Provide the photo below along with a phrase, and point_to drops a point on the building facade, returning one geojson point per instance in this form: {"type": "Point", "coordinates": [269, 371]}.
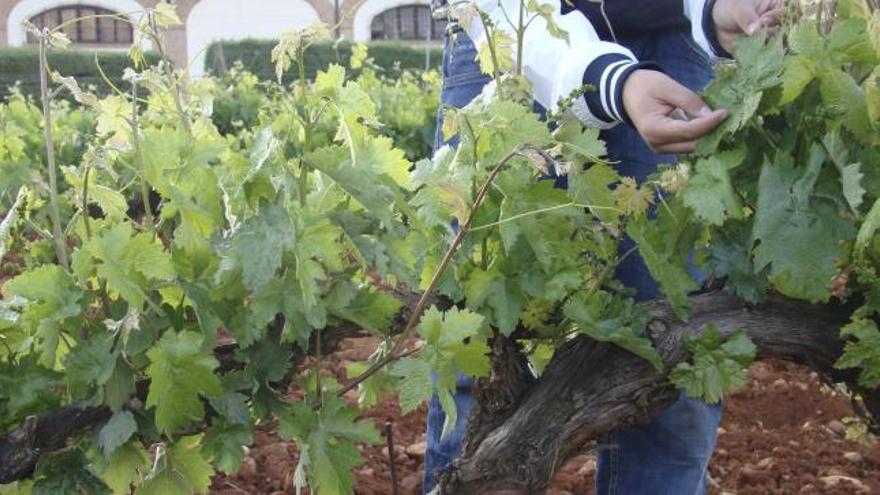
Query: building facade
{"type": "Point", "coordinates": [206, 21]}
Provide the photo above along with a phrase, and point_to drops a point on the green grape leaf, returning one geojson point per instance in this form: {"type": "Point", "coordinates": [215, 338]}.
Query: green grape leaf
{"type": "Point", "coordinates": [116, 431]}
{"type": "Point", "coordinates": [797, 237]}
{"type": "Point", "coordinates": [454, 341]}
{"type": "Point", "coordinates": [710, 193]}
{"type": "Point", "coordinates": [226, 444]}
{"type": "Point", "coordinates": [27, 388]}
{"type": "Point", "coordinates": [180, 470]}
{"type": "Point", "coordinates": [546, 11]}
{"type": "Point", "coordinates": [729, 256]}
{"type": "Point", "coordinates": [501, 58]}
{"type": "Point", "coordinates": [360, 178]}
{"type": "Point", "coordinates": [125, 466]}
{"type": "Point", "coordinates": [112, 202]}
{"type": "Point", "coordinates": [607, 318]}
{"type": "Point", "coordinates": [258, 244]}
{"type": "Point", "coordinates": [181, 371]}
{"type": "Point", "coordinates": [717, 366]}
{"type": "Point", "coordinates": [872, 89]}
{"type": "Point", "coordinates": [92, 362]}
{"type": "Point", "coordinates": [862, 350]}
{"type": "Point", "coordinates": [578, 144]}
{"type": "Point", "coordinates": [841, 95]}
{"type": "Point", "coordinates": [130, 263]}
{"type": "Point", "coordinates": [591, 186]}
{"type": "Point", "coordinates": [52, 298]}
{"type": "Point", "coordinates": [444, 191]}
{"type": "Point", "coordinates": [233, 407]}
{"type": "Point", "coordinates": [869, 227]}
{"type": "Point", "coordinates": [740, 88]}
{"type": "Point", "coordinates": [371, 310]}
{"type": "Point", "coordinates": [327, 435]}
{"type": "Point", "coordinates": [416, 385]}
{"type": "Point", "coordinates": [119, 386]}
{"type": "Point", "coordinates": [66, 471]}
{"type": "Point", "coordinates": [664, 243]}
{"type": "Point", "coordinates": [851, 177]}
{"type": "Point", "coordinates": [372, 390]}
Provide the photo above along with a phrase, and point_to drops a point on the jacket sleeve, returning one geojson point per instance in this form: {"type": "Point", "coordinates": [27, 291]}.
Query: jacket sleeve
{"type": "Point", "coordinates": [556, 68]}
{"type": "Point", "coordinates": [703, 28]}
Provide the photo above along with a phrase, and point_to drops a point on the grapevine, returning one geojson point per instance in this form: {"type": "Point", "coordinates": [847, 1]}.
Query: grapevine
{"type": "Point", "coordinates": [211, 240]}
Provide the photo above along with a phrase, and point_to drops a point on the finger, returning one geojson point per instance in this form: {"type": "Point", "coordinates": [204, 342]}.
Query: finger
{"type": "Point", "coordinates": [679, 96]}
{"type": "Point", "coordinates": [667, 130]}
{"type": "Point", "coordinates": [749, 20]}
{"type": "Point", "coordinates": [768, 5]}
{"type": "Point", "coordinates": [677, 148]}
{"type": "Point", "coordinates": [772, 18]}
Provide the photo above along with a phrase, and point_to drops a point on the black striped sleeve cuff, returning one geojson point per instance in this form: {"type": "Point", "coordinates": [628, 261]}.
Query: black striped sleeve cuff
{"type": "Point", "coordinates": [711, 33]}
{"type": "Point", "coordinates": [608, 74]}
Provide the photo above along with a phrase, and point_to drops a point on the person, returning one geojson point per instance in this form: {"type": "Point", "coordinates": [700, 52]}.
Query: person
{"type": "Point", "coordinates": [647, 60]}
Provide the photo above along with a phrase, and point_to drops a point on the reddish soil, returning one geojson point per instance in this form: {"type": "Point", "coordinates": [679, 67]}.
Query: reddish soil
{"type": "Point", "coordinates": [781, 434]}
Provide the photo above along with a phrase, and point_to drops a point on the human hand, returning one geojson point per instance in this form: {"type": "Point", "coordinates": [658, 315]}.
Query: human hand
{"type": "Point", "coordinates": [733, 18]}
{"type": "Point", "coordinates": [654, 103]}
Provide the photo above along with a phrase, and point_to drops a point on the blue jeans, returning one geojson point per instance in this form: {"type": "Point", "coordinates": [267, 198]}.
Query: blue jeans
{"type": "Point", "coordinates": [670, 454]}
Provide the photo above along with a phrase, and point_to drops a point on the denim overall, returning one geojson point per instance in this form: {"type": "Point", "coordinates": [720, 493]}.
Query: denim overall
{"type": "Point", "coordinates": [670, 454]}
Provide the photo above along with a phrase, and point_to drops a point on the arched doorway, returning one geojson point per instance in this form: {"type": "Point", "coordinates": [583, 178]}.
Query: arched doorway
{"type": "Point", "coordinates": [214, 20]}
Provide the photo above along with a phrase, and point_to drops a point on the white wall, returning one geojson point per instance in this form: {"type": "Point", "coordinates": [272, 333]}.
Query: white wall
{"type": "Point", "coordinates": [370, 9]}
{"type": "Point", "coordinates": [214, 20]}
{"type": "Point", "coordinates": [26, 9]}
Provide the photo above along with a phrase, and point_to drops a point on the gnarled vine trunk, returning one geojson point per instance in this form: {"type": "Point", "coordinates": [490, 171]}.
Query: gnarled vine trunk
{"type": "Point", "coordinates": [591, 388]}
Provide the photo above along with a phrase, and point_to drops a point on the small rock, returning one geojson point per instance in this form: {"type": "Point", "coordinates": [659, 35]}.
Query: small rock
{"type": "Point", "coordinates": [837, 427]}
{"type": "Point", "coordinates": [853, 456]}
{"type": "Point", "coordinates": [368, 472]}
{"type": "Point", "coordinates": [588, 468]}
{"type": "Point", "coordinates": [416, 450]}
{"type": "Point", "coordinates": [780, 383]}
{"type": "Point", "coordinates": [808, 488]}
{"type": "Point", "coordinates": [351, 396]}
{"type": "Point", "coordinates": [248, 469]}
{"type": "Point", "coordinates": [760, 372]}
{"type": "Point", "coordinates": [721, 430]}
{"type": "Point", "coordinates": [794, 443]}
{"type": "Point", "coordinates": [411, 483]}
{"type": "Point", "coordinates": [750, 473]}
{"type": "Point", "coordinates": [844, 482]}
{"type": "Point", "coordinates": [835, 471]}
{"type": "Point", "coordinates": [765, 463]}
{"type": "Point", "coordinates": [398, 451]}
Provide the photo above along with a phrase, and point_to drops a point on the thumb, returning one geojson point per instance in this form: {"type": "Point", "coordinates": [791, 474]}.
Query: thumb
{"type": "Point", "coordinates": [750, 21]}
{"type": "Point", "coordinates": [681, 97]}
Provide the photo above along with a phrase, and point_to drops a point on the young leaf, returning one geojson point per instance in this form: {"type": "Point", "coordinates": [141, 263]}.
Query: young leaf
{"type": "Point", "coordinates": [709, 191]}
{"type": "Point", "coordinates": [226, 444]}
{"type": "Point", "coordinates": [716, 368]}
{"type": "Point", "coordinates": [181, 371]}
{"type": "Point", "coordinates": [125, 466]}
{"type": "Point", "coordinates": [328, 434]}
{"type": "Point", "coordinates": [116, 431]}
{"type": "Point", "coordinates": [66, 471]}
{"type": "Point", "coordinates": [181, 470]}
{"type": "Point", "coordinates": [862, 350]}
